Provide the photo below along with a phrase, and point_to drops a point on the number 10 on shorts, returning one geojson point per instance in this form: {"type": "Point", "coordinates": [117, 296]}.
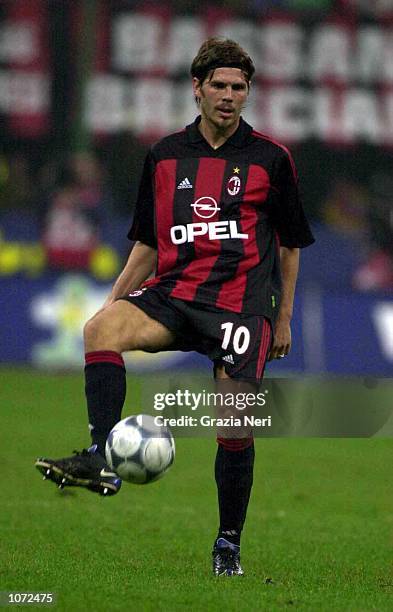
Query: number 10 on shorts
{"type": "Point", "coordinates": [240, 338]}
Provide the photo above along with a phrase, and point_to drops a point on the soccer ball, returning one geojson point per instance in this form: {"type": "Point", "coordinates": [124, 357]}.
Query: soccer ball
{"type": "Point", "coordinates": [139, 450]}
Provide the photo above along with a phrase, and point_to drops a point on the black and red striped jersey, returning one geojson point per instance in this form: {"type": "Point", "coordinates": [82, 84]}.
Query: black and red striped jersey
{"type": "Point", "coordinates": [218, 216]}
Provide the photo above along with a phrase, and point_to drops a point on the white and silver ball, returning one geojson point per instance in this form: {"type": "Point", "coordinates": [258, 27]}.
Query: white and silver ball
{"type": "Point", "coordinates": [138, 450]}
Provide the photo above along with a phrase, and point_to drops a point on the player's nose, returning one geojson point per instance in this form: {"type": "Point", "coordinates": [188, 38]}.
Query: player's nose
{"type": "Point", "coordinates": [228, 93]}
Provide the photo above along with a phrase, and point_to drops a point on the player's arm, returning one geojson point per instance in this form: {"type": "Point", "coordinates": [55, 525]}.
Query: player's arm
{"type": "Point", "coordinates": [143, 256]}
{"type": "Point", "coordinates": [294, 233]}
{"type": "Point", "coordinates": [289, 261]}
{"type": "Point", "coordinates": [140, 264]}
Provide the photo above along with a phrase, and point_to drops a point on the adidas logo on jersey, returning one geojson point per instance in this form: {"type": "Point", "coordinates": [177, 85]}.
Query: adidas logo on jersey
{"type": "Point", "coordinates": [229, 359]}
{"type": "Point", "coordinates": [185, 184]}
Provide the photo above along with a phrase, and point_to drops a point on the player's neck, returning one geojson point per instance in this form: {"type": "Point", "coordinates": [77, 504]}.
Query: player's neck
{"type": "Point", "coordinates": [215, 135]}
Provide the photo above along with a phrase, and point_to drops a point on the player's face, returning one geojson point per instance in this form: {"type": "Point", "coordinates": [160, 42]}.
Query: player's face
{"type": "Point", "coordinates": [222, 95]}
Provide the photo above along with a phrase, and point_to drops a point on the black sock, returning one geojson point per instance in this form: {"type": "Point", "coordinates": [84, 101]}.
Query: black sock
{"type": "Point", "coordinates": [234, 476]}
{"type": "Point", "coordinates": [105, 378]}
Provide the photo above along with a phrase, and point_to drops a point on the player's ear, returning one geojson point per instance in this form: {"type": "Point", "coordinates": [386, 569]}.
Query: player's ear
{"type": "Point", "coordinates": [196, 88]}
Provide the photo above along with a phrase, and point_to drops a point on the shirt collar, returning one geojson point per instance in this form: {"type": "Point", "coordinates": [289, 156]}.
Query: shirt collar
{"type": "Point", "coordinates": [238, 138]}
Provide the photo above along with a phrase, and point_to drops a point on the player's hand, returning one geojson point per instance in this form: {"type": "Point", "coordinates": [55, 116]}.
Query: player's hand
{"type": "Point", "coordinates": [282, 339]}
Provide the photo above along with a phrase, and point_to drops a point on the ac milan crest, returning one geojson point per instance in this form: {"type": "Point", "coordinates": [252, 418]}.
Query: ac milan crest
{"type": "Point", "coordinates": [234, 185]}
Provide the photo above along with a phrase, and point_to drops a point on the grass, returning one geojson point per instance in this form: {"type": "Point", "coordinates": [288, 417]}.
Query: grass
{"type": "Point", "coordinates": [318, 534]}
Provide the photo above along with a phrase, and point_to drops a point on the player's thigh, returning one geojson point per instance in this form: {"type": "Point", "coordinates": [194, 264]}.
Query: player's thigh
{"type": "Point", "coordinates": [237, 344]}
{"type": "Point", "coordinates": [220, 372]}
{"type": "Point", "coordinates": [123, 326]}
{"type": "Point", "coordinates": [244, 344]}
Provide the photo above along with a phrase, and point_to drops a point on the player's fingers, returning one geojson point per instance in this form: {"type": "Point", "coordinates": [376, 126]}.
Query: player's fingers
{"type": "Point", "coordinates": [279, 351]}
{"type": "Point", "coordinates": [282, 351]}
{"type": "Point", "coordinates": [273, 352]}
{"type": "Point", "coordinates": [276, 352]}
{"type": "Point", "coordinates": [271, 355]}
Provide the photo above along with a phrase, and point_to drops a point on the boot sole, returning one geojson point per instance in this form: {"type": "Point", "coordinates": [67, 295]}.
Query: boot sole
{"type": "Point", "coordinates": [62, 479]}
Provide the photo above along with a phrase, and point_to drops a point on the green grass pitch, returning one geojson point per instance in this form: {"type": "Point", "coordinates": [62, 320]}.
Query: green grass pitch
{"type": "Point", "coordinates": [318, 534]}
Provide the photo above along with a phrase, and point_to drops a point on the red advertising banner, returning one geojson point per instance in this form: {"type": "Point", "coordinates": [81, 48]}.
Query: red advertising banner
{"type": "Point", "coordinates": [328, 78]}
{"type": "Point", "coordinates": [331, 79]}
{"type": "Point", "coordinates": [24, 67]}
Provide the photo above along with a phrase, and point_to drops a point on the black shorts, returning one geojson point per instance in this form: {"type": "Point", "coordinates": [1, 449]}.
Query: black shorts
{"type": "Point", "coordinates": [240, 342]}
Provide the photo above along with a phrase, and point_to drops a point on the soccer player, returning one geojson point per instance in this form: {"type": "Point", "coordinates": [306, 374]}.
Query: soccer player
{"type": "Point", "coordinates": [219, 222]}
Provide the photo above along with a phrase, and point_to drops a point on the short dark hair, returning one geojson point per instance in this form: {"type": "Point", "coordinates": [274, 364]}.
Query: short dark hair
{"type": "Point", "coordinates": [221, 53]}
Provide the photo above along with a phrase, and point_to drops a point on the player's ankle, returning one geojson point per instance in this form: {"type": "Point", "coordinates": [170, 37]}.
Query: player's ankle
{"type": "Point", "coordinates": [230, 535]}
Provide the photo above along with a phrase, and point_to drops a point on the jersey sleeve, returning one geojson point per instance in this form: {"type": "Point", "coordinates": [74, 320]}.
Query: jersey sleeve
{"type": "Point", "coordinates": [143, 225]}
{"type": "Point", "coordinates": [289, 219]}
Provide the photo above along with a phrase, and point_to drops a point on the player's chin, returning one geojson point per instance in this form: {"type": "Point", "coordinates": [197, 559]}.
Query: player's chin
{"type": "Point", "coordinates": [227, 119]}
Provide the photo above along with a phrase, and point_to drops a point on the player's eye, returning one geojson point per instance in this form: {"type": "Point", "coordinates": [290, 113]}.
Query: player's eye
{"type": "Point", "coordinates": [235, 86]}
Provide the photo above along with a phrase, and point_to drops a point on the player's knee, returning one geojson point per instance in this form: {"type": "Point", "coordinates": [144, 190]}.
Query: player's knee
{"type": "Point", "coordinates": [109, 329]}
{"type": "Point", "coordinates": [102, 331]}
{"type": "Point", "coordinates": [91, 330]}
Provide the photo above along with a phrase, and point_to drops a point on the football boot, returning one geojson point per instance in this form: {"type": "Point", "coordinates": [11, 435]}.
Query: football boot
{"type": "Point", "coordinates": [226, 559]}
{"type": "Point", "coordinates": [86, 469]}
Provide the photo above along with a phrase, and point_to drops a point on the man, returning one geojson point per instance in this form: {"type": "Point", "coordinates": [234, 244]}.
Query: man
{"type": "Point", "coordinates": [215, 203]}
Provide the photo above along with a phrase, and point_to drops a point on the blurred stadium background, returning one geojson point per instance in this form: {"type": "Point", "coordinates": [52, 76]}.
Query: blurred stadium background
{"type": "Point", "coordinates": [87, 85]}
